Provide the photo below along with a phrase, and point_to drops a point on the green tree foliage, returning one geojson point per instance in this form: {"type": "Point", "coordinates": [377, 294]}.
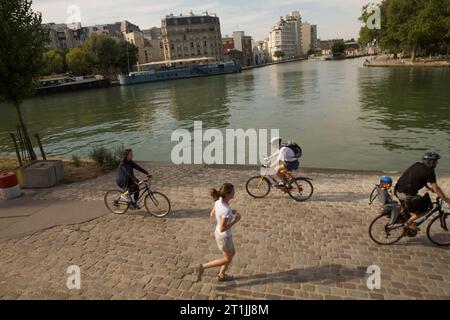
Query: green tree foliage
{"type": "Point", "coordinates": [126, 52]}
{"type": "Point", "coordinates": [78, 61]}
{"type": "Point", "coordinates": [21, 56]}
{"type": "Point", "coordinates": [102, 51]}
{"type": "Point", "coordinates": [410, 25]}
{"type": "Point", "coordinates": [338, 48]}
{"type": "Point", "coordinates": [54, 62]}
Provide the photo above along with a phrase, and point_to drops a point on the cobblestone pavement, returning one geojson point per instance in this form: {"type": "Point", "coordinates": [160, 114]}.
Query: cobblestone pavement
{"type": "Point", "coordinates": [285, 250]}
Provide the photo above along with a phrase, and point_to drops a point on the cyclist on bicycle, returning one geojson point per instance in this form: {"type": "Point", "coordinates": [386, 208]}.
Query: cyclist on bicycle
{"type": "Point", "coordinates": [414, 179]}
{"type": "Point", "coordinates": [125, 178]}
{"type": "Point", "coordinates": [287, 160]}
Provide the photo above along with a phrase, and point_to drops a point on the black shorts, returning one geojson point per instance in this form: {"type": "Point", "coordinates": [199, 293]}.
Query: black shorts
{"type": "Point", "coordinates": [291, 166]}
{"type": "Point", "coordinates": [417, 203]}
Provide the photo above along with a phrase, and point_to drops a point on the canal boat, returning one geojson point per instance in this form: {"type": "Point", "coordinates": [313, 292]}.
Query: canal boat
{"type": "Point", "coordinates": [191, 70]}
{"type": "Point", "coordinates": [67, 82]}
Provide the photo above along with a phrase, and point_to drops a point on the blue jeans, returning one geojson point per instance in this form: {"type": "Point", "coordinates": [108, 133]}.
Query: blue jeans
{"type": "Point", "coordinates": [394, 209]}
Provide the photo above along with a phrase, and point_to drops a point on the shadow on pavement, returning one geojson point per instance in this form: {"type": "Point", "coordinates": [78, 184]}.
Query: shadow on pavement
{"type": "Point", "coordinates": [326, 274]}
{"type": "Point", "coordinates": [175, 214]}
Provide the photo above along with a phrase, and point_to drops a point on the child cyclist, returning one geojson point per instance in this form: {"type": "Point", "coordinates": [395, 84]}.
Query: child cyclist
{"type": "Point", "coordinates": [125, 178]}
{"type": "Point", "coordinates": [386, 198]}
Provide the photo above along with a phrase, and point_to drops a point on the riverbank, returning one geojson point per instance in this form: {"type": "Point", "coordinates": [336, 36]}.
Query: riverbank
{"type": "Point", "coordinates": [388, 62]}
{"type": "Point", "coordinates": [273, 63]}
{"type": "Point", "coordinates": [285, 250]}
{"type": "Point", "coordinates": [75, 170]}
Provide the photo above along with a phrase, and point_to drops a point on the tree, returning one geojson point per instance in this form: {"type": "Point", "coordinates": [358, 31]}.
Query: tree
{"type": "Point", "coordinates": [21, 56]}
{"type": "Point", "coordinates": [409, 25]}
{"type": "Point", "coordinates": [78, 61]}
{"type": "Point", "coordinates": [126, 55]}
{"type": "Point", "coordinates": [338, 48]}
{"type": "Point", "coordinates": [54, 62]}
{"type": "Point", "coordinates": [279, 54]}
{"type": "Point", "coordinates": [102, 51]}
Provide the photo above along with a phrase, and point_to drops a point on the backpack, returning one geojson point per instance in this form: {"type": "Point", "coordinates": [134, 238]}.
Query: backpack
{"type": "Point", "coordinates": [298, 152]}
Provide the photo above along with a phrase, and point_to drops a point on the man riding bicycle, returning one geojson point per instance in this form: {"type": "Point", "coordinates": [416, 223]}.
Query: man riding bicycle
{"type": "Point", "coordinates": [287, 160]}
{"type": "Point", "coordinates": [414, 179]}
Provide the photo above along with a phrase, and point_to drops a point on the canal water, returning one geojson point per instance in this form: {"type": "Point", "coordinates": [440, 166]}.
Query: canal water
{"type": "Point", "coordinates": [342, 114]}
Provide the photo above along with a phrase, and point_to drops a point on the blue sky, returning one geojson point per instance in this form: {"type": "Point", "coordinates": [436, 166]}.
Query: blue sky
{"type": "Point", "coordinates": [334, 18]}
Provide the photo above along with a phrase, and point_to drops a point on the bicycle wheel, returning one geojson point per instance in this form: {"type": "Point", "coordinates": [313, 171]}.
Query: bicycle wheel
{"type": "Point", "coordinates": [381, 233]}
{"type": "Point", "coordinates": [114, 203]}
{"type": "Point", "coordinates": [302, 189]}
{"type": "Point", "coordinates": [258, 187]}
{"type": "Point", "coordinates": [438, 231]}
{"type": "Point", "coordinates": [157, 204]}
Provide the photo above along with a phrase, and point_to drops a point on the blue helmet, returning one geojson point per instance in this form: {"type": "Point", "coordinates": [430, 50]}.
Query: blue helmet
{"type": "Point", "coordinates": [386, 179]}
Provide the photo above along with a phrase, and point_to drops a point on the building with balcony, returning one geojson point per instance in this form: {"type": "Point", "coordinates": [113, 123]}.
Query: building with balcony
{"type": "Point", "coordinates": [191, 36]}
{"type": "Point", "coordinates": [61, 36]}
{"type": "Point", "coordinates": [285, 38]}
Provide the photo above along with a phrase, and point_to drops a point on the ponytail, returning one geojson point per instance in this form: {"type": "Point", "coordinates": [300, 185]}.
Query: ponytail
{"type": "Point", "coordinates": [224, 190]}
{"type": "Point", "coordinates": [215, 194]}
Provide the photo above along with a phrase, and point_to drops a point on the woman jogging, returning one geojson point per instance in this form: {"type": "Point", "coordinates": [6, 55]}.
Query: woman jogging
{"type": "Point", "coordinates": [226, 218]}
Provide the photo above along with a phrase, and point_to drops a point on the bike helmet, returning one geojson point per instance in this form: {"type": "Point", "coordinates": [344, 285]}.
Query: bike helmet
{"type": "Point", "coordinates": [275, 141]}
{"type": "Point", "coordinates": [386, 179]}
{"type": "Point", "coordinates": [431, 156]}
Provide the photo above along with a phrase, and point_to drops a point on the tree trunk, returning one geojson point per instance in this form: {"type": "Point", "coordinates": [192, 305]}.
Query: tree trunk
{"type": "Point", "coordinates": [413, 54]}
{"type": "Point", "coordinates": [26, 137]}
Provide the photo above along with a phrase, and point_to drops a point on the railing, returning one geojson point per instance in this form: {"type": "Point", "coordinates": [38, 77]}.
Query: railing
{"type": "Point", "coordinates": [20, 145]}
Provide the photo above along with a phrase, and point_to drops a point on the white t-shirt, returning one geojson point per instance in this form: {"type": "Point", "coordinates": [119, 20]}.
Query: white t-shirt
{"type": "Point", "coordinates": [223, 210]}
{"type": "Point", "coordinates": [286, 155]}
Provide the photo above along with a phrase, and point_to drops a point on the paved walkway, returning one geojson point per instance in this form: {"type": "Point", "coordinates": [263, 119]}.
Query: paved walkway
{"type": "Point", "coordinates": [285, 250]}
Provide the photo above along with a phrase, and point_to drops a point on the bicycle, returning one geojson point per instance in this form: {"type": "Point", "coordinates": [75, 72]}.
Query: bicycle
{"type": "Point", "coordinates": [299, 188]}
{"type": "Point", "coordinates": [437, 230]}
{"type": "Point", "coordinates": [155, 203]}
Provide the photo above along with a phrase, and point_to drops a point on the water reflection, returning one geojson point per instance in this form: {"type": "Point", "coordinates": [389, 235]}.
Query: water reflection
{"type": "Point", "coordinates": [205, 100]}
{"type": "Point", "coordinates": [408, 107]}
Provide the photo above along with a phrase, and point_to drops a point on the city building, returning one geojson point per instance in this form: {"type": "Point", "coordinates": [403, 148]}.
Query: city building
{"type": "Point", "coordinates": [352, 49]}
{"type": "Point", "coordinates": [285, 38]}
{"type": "Point", "coordinates": [61, 36]}
{"type": "Point", "coordinates": [325, 46]}
{"type": "Point", "coordinates": [259, 56]}
{"type": "Point", "coordinates": [309, 37]}
{"type": "Point", "coordinates": [239, 42]}
{"type": "Point", "coordinates": [117, 30]}
{"type": "Point", "coordinates": [192, 36]}
{"type": "Point", "coordinates": [149, 45]}
{"type": "Point", "coordinates": [154, 35]}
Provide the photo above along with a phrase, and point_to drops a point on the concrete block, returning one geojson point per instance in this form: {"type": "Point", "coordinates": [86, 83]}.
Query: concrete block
{"type": "Point", "coordinates": [42, 173]}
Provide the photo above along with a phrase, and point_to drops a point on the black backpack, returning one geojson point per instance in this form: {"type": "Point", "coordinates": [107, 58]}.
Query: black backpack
{"type": "Point", "coordinates": [298, 152]}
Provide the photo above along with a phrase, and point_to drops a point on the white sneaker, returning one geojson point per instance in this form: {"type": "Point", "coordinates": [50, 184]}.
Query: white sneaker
{"type": "Point", "coordinates": [139, 206]}
{"type": "Point", "coordinates": [125, 197]}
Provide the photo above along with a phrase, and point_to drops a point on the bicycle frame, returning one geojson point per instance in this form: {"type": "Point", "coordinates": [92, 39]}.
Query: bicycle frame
{"type": "Point", "coordinates": [142, 192]}
{"type": "Point", "coordinates": [437, 207]}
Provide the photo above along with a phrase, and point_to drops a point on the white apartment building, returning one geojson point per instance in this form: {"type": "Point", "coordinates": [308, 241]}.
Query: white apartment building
{"type": "Point", "coordinates": [285, 39]}
{"type": "Point", "coordinates": [309, 37]}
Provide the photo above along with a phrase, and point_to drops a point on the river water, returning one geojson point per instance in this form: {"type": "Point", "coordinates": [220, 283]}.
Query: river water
{"type": "Point", "coordinates": [342, 114]}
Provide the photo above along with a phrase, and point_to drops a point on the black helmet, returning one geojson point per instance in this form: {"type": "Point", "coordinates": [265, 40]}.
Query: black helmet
{"type": "Point", "coordinates": [431, 156]}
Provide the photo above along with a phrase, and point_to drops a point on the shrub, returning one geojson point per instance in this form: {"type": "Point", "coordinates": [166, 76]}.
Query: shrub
{"type": "Point", "coordinates": [108, 159]}
{"type": "Point", "coordinates": [76, 160]}
{"type": "Point", "coordinates": [98, 155]}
